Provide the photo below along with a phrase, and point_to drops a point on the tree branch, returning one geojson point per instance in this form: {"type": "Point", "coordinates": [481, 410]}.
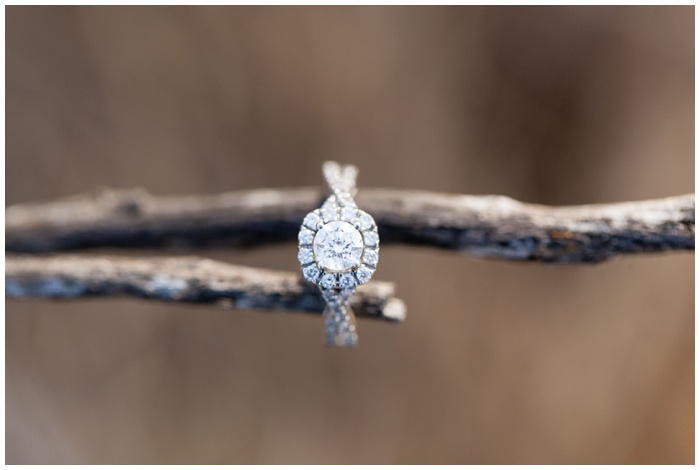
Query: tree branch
{"type": "Point", "coordinates": [185, 279]}
{"type": "Point", "coordinates": [486, 226]}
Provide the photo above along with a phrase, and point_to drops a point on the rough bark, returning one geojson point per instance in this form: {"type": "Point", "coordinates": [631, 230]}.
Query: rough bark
{"type": "Point", "coordinates": [184, 279]}
{"type": "Point", "coordinates": [486, 226]}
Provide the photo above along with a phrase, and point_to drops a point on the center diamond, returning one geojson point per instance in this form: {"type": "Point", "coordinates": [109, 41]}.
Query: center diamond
{"type": "Point", "coordinates": [338, 246]}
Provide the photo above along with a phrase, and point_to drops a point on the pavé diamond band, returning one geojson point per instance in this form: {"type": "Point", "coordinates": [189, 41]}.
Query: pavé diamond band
{"type": "Point", "coordinates": [338, 250]}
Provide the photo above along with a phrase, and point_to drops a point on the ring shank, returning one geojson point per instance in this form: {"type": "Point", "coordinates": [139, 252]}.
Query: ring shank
{"type": "Point", "coordinates": [339, 320]}
{"type": "Point", "coordinates": [340, 178]}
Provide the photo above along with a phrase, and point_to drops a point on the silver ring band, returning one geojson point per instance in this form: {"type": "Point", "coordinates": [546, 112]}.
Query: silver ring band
{"type": "Point", "coordinates": [339, 250]}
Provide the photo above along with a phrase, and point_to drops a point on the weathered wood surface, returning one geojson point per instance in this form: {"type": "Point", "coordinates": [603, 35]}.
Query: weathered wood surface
{"type": "Point", "coordinates": [183, 279]}
{"type": "Point", "coordinates": [486, 226]}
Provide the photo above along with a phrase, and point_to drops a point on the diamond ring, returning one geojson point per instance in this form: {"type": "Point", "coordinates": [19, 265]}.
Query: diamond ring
{"type": "Point", "coordinates": [338, 250]}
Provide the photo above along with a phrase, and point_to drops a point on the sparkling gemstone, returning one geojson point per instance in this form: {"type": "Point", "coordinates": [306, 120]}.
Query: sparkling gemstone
{"type": "Point", "coordinates": [363, 274]}
{"type": "Point", "coordinates": [329, 212]}
{"type": "Point", "coordinates": [305, 256]}
{"type": "Point", "coordinates": [311, 273]}
{"type": "Point", "coordinates": [311, 220]}
{"type": "Point", "coordinates": [370, 257]}
{"type": "Point", "coordinates": [371, 238]}
{"type": "Point", "coordinates": [327, 281]}
{"type": "Point", "coordinates": [338, 246]}
{"type": "Point", "coordinates": [306, 237]}
{"type": "Point", "coordinates": [366, 221]}
{"type": "Point", "coordinates": [348, 214]}
{"type": "Point", "coordinates": [347, 280]}
{"type": "Point", "coordinates": [345, 200]}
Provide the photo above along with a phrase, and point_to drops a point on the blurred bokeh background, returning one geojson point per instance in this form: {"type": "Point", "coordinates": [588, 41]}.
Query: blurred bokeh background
{"type": "Point", "coordinates": [498, 362]}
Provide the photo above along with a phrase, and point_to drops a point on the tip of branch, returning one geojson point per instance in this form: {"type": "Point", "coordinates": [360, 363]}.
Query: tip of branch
{"type": "Point", "coordinates": [395, 309]}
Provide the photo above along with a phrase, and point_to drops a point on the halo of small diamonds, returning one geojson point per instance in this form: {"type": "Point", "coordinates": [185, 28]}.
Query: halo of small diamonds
{"type": "Point", "coordinates": [362, 267]}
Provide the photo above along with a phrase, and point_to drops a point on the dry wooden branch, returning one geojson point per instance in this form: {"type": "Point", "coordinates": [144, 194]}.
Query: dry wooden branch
{"type": "Point", "coordinates": [487, 226]}
{"type": "Point", "coordinates": [186, 279]}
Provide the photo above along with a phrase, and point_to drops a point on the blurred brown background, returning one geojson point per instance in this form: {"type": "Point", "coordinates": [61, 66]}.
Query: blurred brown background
{"type": "Point", "coordinates": [497, 362]}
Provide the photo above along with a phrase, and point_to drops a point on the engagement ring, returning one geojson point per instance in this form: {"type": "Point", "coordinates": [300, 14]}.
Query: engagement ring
{"type": "Point", "coordinates": [338, 250]}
